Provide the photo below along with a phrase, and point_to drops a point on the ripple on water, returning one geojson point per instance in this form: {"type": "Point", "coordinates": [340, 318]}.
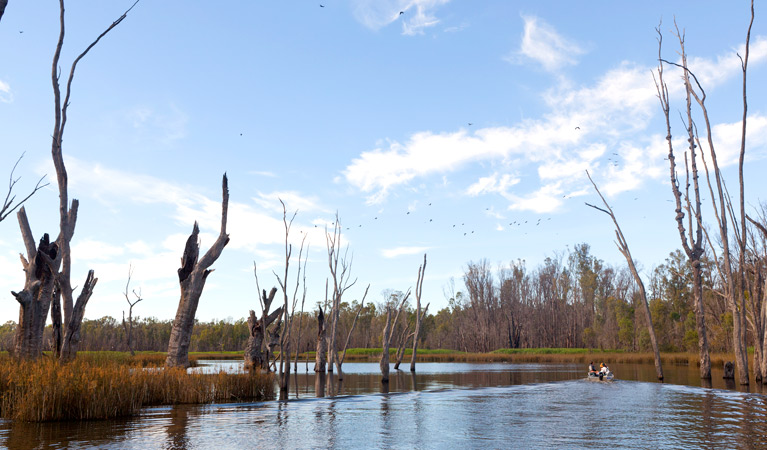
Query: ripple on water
{"type": "Point", "coordinates": [559, 414]}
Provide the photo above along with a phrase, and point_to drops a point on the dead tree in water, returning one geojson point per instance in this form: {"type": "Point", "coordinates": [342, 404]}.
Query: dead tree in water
{"type": "Point", "coordinates": [128, 325]}
{"type": "Point", "coordinates": [66, 334]}
{"type": "Point", "coordinates": [191, 277]}
{"type": "Point", "coordinates": [403, 338]}
{"type": "Point", "coordinates": [341, 284]}
{"type": "Point", "coordinates": [734, 284]}
{"type": "Point", "coordinates": [322, 343]}
{"type": "Point", "coordinates": [418, 313]}
{"type": "Point", "coordinates": [254, 351]}
{"type": "Point", "coordinates": [623, 247]}
{"type": "Point", "coordinates": [388, 333]}
{"type": "Point", "coordinates": [692, 242]}
{"type": "Point", "coordinates": [349, 335]}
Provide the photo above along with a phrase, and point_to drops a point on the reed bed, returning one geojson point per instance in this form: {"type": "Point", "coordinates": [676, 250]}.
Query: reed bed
{"type": "Point", "coordinates": [47, 390]}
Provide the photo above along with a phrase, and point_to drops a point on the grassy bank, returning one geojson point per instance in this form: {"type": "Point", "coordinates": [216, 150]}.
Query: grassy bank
{"type": "Point", "coordinates": [100, 387]}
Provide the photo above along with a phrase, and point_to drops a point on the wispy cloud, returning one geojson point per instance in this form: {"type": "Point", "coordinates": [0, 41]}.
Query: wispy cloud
{"type": "Point", "coordinates": [497, 183]}
{"type": "Point", "coordinates": [165, 126]}
{"type": "Point", "coordinates": [294, 201]}
{"type": "Point", "coordinates": [417, 14]}
{"type": "Point", "coordinates": [402, 251]}
{"type": "Point", "coordinates": [249, 224]}
{"type": "Point", "coordinates": [543, 44]}
{"type": "Point", "coordinates": [586, 127]}
{"type": "Point", "coordinates": [6, 96]}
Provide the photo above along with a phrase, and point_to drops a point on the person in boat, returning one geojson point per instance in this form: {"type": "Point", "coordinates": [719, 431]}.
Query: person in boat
{"type": "Point", "coordinates": [604, 369]}
{"type": "Point", "coordinates": [592, 368]}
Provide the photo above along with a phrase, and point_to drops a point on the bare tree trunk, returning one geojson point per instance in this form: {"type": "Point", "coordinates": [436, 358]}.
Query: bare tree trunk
{"type": "Point", "coordinates": [624, 249]}
{"type": "Point", "coordinates": [384, 364]}
{"type": "Point", "coordinates": [254, 351]}
{"type": "Point", "coordinates": [340, 285]}
{"type": "Point", "coordinates": [418, 314]}
{"type": "Point", "coordinates": [191, 277]}
{"type": "Point", "coordinates": [691, 243]}
{"type": "Point", "coordinates": [71, 340]}
{"type": "Point", "coordinates": [349, 335]}
{"type": "Point", "coordinates": [35, 299]}
{"type": "Point", "coordinates": [322, 344]}
{"type": "Point", "coordinates": [388, 334]}
{"type": "Point", "coordinates": [46, 281]}
{"type": "Point", "coordinates": [128, 325]}
{"type": "Point", "coordinates": [403, 338]}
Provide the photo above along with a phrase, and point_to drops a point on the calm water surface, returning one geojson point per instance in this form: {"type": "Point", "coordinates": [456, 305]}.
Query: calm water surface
{"type": "Point", "coordinates": [446, 405]}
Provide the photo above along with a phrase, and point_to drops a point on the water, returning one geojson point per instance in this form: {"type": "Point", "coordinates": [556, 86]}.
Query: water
{"type": "Point", "coordinates": [446, 405]}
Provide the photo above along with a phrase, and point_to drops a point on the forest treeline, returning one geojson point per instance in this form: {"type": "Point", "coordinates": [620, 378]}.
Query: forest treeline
{"type": "Point", "coordinates": [572, 300]}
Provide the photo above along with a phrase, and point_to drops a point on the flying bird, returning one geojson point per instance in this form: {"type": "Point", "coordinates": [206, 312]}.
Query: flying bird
{"type": "Point", "coordinates": [401, 13]}
{"type": "Point", "coordinates": [322, 6]}
{"type": "Point", "coordinates": [470, 124]}
{"type": "Point", "coordinates": [577, 128]}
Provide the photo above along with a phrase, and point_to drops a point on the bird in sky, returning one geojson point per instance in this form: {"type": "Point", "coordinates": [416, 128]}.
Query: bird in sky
{"type": "Point", "coordinates": [322, 6]}
{"type": "Point", "coordinates": [401, 13]}
{"type": "Point", "coordinates": [470, 124]}
{"type": "Point", "coordinates": [577, 128]}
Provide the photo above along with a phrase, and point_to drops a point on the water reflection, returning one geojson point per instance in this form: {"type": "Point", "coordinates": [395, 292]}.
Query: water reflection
{"type": "Point", "coordinates": [442, 405]}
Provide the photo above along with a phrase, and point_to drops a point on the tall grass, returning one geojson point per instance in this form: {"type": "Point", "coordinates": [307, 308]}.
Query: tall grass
{"type": "Point", "coordinates": [47, 390]}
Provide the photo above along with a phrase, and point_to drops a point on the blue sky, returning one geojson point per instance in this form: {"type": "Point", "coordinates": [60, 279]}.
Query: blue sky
{"type": "Point", "coordinates": [457, 129]}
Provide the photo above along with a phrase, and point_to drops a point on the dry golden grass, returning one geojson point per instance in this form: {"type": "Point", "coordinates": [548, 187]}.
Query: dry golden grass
{"type": "Point", "coordinates": [47, 390]}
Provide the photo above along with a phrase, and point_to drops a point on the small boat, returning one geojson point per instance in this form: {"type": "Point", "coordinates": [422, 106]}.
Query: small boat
{"type": "Point", "coordinates": [601, 376]}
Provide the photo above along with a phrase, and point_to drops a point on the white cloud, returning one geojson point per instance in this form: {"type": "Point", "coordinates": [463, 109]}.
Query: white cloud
{"type": "Point", "coordinates": [90, 249]}
{"type": "Point", "coordinates": [727, 139]}
{"type": "Point", "coordinates": [294, 201]}
{"type": "Point", "coordinates": [546, 199]}
{"type": "Point", "coordinates": [249, 225]}
{"type": "Point", "coordinates": [498, 183]}
{"type": "Point", "coordinates": [581, 125]}
{"type": "Point", "coordinates": [711, 73]}
{"type": "Point", "coordinates": [6, 96]}
{"type": "Point", "coordinates": [417, 14]}
{"type": "Point", "coordinates": [542, 44]}
{"type": "Point", "coordinates": [402, 251]}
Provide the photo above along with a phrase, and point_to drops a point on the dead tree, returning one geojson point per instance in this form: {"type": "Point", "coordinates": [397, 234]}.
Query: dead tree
{"type": "Point", "coordinates": [191, 277]}
{"type": "Point", "coordinates": [254, 351]}
{"type": "Point", "coordinates": [418, 313]}
{"type": "Point", "coordinates": [403, 338]}
{"type": "Point", "coordinates": [388, 333]}
{"type": "Point", "coordinates": [35, 299]}
{"type": "Point", "coordinates": [288, 312]}
{"type": "Point", "coordinates": [690, 235]}
{"type": "Point", "coordinates": [758, 299]}
{"type": "Point", "coordinates": [734, 283]}
{"type": "Point", "coordinates": [10, 204]}
{"type": "Point", "coordinates": [623, 247]}
{"type": "Point", "coordinates": [322, 343]}
{"type": "Point", "coordinates": [128, 325]}
{"type": "Point", "coordinates": [61, 265]}
{"type": "Point", "coordinates": [384, 364]}
{"type": "Point", "coordinates": [349, 335]}
{"type": "Point", "coordinates": [341, 284]}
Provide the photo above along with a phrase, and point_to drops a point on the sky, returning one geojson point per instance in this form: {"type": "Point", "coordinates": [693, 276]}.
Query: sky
{"type": "Point", "coordinates": [460, 130]}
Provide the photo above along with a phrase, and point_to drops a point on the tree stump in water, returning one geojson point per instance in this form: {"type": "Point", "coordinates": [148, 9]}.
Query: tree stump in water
{"type": "Point", "coordinates": [729, 371]}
